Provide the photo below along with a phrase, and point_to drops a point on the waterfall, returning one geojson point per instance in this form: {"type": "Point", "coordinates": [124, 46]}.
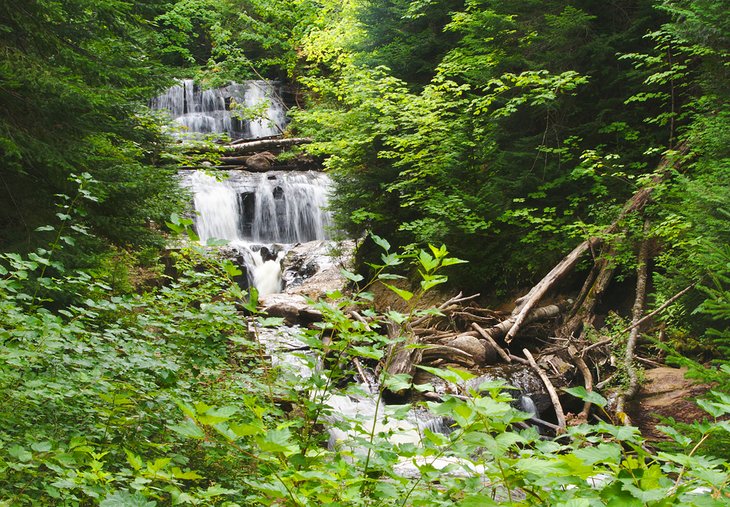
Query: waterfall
{"type": "Point", "coordinates": [259, 214]}
{"type": "Point", "coordinates": [223, 110]}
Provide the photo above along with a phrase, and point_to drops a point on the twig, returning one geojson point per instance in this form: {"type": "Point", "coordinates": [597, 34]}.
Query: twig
{"type": "Point", "coordinates": [559, 414]}
{"type": "Point", "coordinates": [661, 308]}
{"type": "Point", "coordinates": [649, 361]}
{"type": "Point", "coordinates": [361, 372]}
{"type": "Point", "coordinates": [547, 424]}
{"type": "Point", "coordinates": [587, 379]}
{"type": "Point", "coordinates": [455, 299]}
{"type": "Point", "coordinates": [518, 359]}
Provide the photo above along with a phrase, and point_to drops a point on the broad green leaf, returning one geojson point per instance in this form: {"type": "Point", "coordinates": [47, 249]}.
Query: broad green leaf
{"type": "Point", "coordinates": [368, 352]}
{"type": "Point", "coordinates": [134, 461]}
{"type": "Point", "coordinates": [351, 276]}
{"type": "Point", "coordinates": [450, 261]}
{"type": "Point", "coordinates": [126, 499]}
{"type": "Point", "coordinates": [479, 500]}
{"type": "Point", "coordinates": [382, 243]}
{"type": "Point", "coordinates": [188, 429]}
{"type": "Point", "coordinates": [602, 453]}
{"type": "Point", "coordinates": [587, 396]}
{"type": "Point", "coordinates": [189, 475]}
{"type": "Point", "coordinates": [277, 441]}
{"type": "Point", "coordinates": [397, 382]}
{"type": "Point", "coordinates": [406, 295]}
{"type": "Point", "coordinates": [19, 453]}
{"type": "Point", "coordinates": [453, 375]}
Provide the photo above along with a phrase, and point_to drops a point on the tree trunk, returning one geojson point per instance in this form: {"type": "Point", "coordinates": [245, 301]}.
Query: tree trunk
{"type": "Point", "coordinates": [636, 315]}
{"type": "Point", "coordinates": [590, 295]}
{"type": "Point", "coordinates": [637, 202]}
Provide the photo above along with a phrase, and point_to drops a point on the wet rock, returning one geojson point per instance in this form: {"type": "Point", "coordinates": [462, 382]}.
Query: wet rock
{"type": "Point", "coordinates": [260, 162]}
{"type": "Point", "coordinates": [293, 308]}
{"type": "Point", "coordinates": [313, 269]}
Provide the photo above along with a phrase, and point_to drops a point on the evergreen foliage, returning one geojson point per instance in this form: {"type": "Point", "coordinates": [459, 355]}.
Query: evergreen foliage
{"type": "Point", "coordinates": [74, 79]}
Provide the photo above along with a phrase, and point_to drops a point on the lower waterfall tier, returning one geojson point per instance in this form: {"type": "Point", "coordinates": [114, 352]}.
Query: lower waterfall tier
{"type": "Point", "coordinates": [259, 214]}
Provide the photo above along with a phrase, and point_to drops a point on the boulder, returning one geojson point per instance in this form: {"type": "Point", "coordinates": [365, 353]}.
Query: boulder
{"type": "Point", "coordinates": [260, 162]}
{"type": "Point", "coordinates": [293, 308]}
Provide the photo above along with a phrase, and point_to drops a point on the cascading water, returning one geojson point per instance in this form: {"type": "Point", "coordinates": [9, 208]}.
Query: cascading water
{"type": "Point", "coordinates": [220, 110]}
{"type": "Point", "coordinates": [252, 211]}
{"type": "Point", "coordinates": [248, 210]}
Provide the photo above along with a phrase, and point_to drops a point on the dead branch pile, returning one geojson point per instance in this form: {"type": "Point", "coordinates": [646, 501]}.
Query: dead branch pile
{"type": "Point", "coordinates": [468, 336]}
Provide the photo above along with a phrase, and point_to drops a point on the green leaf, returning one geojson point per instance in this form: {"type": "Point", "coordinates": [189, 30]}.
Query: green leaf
{"type": "Point", "coordinates": [134, 461]}
{"type": "Point", "coordinates": [188, 429]}
{"type": "Point", "coordinates": [351, 276]}
{"type": "Point", "coordinates": [41, 446]}
{"type": "Point", "coordinates": [246, 429]}
{"type": "Point", "coordinates": [428, 262]}
{"type": "Point", "coordinates": [19, 453]}
{"type": "Point", "coordinates": [382, 243]}
{"type": "Point", "coordinates": [587, 396]}
{"type": "Point", "coordinates": [218, 415]}
{"type": "Point", "coordinates": [433, 282]}
{"type": "Point", "coordinates": [676, 435]}
{"type": "Point", "coordinates": [126, 499]}
{"type": "Point", "coordinates": [453, 375]}
{"type": "Point", "coordinates": [214, 491]}
{"type": "Point", "coordinates": [277, 441]}
{"type": "Point", "coordinates": [404, 294]}
{"type": "Point", "coordinates": [540, 467]}
{"type": "Point", "coordinates": [270, 322]}
{"type": "Point", "coordinates": [602, 453]}
{"type": "Point", "coordinates": [450, 261]}
{"type": "Point", "coordinates": [398, 382]}
{"type": "Point", "coordinates": [481, 500]}
{"type": "Point", "coordinates": [715, 409]}
{"type": "Point", "coordinates": [231, 269]}
{"type": "Point", "coordinates": [188, 475]}
{"type": "Point", "coordinates": [368, 352]}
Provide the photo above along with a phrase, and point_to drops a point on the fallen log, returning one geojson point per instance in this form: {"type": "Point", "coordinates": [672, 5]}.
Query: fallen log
{"type": "Point", "coordinates": [276, 144]}
{"type": "Point", "coordinates": [637, 202]}
{"type": "Point", "coordinates": [559, 413]}
{"type": "Point", "coordinates": [590, 295]}
{"type": "Point", "coordinates": [542, 313]}
{"type": "Point", "coordinates": [234, 160]}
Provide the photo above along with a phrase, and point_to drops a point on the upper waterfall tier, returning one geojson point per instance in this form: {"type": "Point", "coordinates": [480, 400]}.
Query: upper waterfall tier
{"type": "Point", "coordinates": [221, 110]}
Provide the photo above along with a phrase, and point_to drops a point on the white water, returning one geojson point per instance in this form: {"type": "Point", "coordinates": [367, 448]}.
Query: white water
{"type": "Point", "coordinates": [199, 111]}
{"type": "Point", "coordinates": [250, 210]}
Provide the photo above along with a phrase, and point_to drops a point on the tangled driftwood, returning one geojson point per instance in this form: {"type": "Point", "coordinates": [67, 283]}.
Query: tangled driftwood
{"type": "Point", "coordinates": [466, 335]}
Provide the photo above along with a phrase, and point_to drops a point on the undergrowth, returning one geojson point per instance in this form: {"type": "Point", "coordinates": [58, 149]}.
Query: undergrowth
{"type": "Point", "coordinates": [169, 398]}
